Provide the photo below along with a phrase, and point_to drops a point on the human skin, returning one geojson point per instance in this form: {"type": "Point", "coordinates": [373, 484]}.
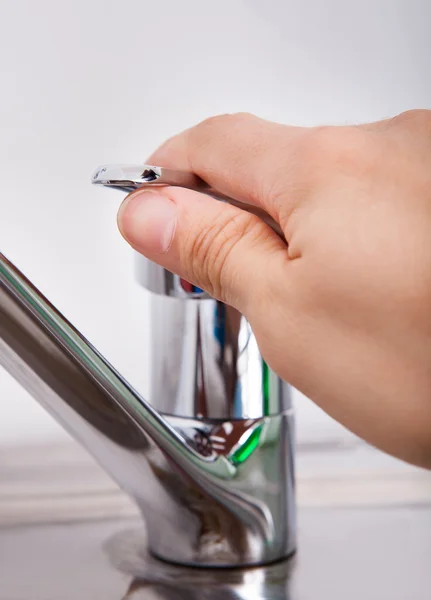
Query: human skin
{"type": "Point", "coordinates": [341, 308]}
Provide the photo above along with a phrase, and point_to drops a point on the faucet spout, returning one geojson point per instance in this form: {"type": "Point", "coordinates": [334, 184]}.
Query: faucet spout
{"type": "Point", "coordinates": [66, 374]}
{"type": "Point", "coordinates": [205, 503]}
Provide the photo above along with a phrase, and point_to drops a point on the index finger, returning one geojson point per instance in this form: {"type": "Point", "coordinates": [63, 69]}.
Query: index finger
{"type": "Point", "coordinates": [239, 155]}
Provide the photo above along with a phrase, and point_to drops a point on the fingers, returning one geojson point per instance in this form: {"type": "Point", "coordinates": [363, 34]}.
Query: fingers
{"type": "Point", "coordinates": [222, 249]}
{"type": "Point", "coordinates": [254, 161]}
{"type": "Point", "coordinates": [241, 156]}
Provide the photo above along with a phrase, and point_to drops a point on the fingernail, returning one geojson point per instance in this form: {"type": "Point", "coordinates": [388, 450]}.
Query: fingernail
{"type": "Point", "coordinates": [147, 220]}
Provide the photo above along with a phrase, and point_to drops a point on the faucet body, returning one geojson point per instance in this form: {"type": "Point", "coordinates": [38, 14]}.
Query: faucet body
{"type": "Point", "coordinates": [209, 460]}
{"type": "Point", "coordinates": [208, 379]}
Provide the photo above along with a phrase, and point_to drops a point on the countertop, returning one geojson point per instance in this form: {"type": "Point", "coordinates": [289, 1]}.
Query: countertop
{"type": "Point", "coordinates": [364, 533]}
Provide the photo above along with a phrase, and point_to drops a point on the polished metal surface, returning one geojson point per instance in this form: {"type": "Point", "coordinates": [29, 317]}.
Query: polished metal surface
{"type": "Point", "coordinates": [160, 281]}
{"type": "Point", "coordinates": [214, 492]}
{"type": "Point", "coordinates": [128, 554]}
{"type": "Point", "coordinates": [132, 177]}
{"type": "Point", "coordinates": [205, 362]}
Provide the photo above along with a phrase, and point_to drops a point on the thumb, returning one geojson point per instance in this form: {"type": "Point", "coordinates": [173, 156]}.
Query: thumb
{"type": "Point", "coordinates": [226, 251]}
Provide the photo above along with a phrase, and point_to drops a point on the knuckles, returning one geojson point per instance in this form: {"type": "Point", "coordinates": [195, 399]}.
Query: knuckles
{"type": "Point", "coordinates": [216, 127]}
{"type": "Point", "coordinates": [331, 150]}
{"type": "Point", "coordinates": [222, 121]}
{"type": "Point", "coordinates": [416, 119]}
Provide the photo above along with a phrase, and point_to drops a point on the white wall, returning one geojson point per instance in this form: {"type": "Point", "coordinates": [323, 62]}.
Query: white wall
{"type": "Point", "coordinates": [87, 82]}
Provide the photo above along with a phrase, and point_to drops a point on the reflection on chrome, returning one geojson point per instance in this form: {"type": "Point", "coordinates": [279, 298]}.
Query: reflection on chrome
{"type": "Point", "coordinates": [162, 581]}
{"type": "Point", "coordinates": [208, 458]}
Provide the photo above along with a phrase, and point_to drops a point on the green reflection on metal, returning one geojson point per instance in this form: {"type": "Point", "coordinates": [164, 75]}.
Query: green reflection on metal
{"type": "Point", "coordinates": [266, 387]}
{"type": "Point", "coordinates": [248, 447]}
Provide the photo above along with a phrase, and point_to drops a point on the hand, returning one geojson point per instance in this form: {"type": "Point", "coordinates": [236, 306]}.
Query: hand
{"type": "Point", "coordinates": [343, 311]}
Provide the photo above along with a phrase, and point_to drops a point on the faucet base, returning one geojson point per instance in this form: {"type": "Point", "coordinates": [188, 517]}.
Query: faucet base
{"type": "Point", "coordinates": [241, 511]}
{"type": "Point", "coordinates": [127, 552]}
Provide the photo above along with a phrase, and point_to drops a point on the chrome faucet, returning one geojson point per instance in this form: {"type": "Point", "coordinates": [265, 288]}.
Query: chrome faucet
{"type": "Point", "coordinates": [209, 459]}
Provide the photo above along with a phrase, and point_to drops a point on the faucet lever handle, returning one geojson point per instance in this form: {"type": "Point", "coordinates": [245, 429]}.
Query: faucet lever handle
{"type": "Point", "coordinates": [132, 177]}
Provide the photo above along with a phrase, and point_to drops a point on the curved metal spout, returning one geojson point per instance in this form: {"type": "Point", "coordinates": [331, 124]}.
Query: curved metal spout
{"type": "Point", "coordinates": [202, 507]}
{"type": "Point", "coordinates": [49, 356]}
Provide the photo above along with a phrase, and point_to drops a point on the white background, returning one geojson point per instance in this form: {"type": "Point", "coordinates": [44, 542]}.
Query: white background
{"type": "Point", "coordinates": [88, 82]}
